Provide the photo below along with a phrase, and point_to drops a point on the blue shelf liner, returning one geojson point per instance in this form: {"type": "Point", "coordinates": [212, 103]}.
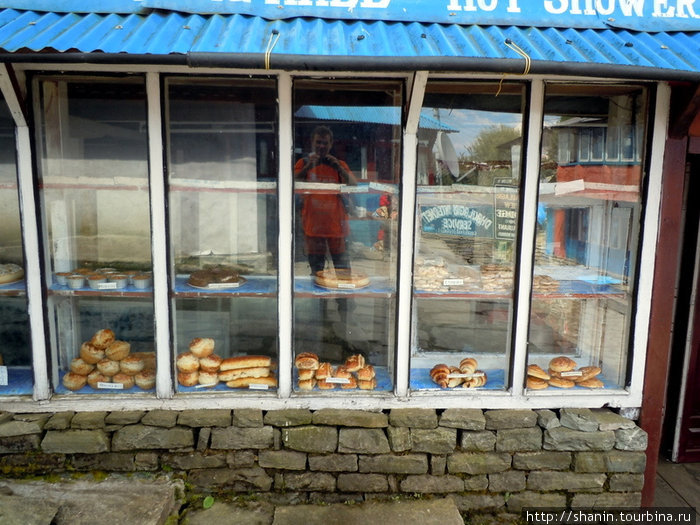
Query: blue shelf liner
{"type": "Point", "coordinates": [18, 286]}
{"type": "Point", "coordinates": [420, 380]}
{"type": "Point", "coordinates": [252, 285]}
{"type": "Point", "coordinates": [21, 382]}
{"type": "Point", "coordinates": [377, 285]}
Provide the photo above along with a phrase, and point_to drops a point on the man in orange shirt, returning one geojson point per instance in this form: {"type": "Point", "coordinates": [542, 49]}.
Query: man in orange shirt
{"type": "Point", "coordinates": [323, 215]}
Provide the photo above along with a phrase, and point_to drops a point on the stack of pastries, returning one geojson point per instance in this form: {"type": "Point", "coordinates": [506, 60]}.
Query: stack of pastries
{"type": "Point", "coordinates": [104, 359]}
{"type": "Point", "coordinates": [354, 373]}
{"type": "Point", "coordinates": [466, 374]}
{"type": "Point", "coordinates": [563, 373]}
{"type": "Point", "coordinates": [201, 366]}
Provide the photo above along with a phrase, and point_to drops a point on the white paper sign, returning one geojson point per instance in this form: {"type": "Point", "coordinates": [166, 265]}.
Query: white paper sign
{"type": "Point", "coordinates": [3, 376]}
{"type": "Point", "coordinates": [110, 386]}
{"type": "Point", "coordinates": [257, 387]}
{"type": "Point", "coordinates": [338, 380]}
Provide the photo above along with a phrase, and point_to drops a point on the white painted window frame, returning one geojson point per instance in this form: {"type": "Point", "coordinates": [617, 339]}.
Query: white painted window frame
{"type": "Point", "coordinates": [284, 396]}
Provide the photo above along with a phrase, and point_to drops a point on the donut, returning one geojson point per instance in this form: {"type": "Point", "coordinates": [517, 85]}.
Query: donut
{"type": "Point", "coordinates": [561, 382]}
{"type": "Point", "coordinates": [562, 364]}
{"type": "Point", "coordinates": [188, 378]}
{"type": "Point", "coordinates": [124, 379]}
{"type": "Point", "coordinates": [187, 362]}
{"type": "Point", "coordinates": [97, 377]}
{"type": "Point", "coordinates": [108, 367]}
{"type": "Point", "coordinates": [131, 365]}
{"type": "Point", "coordinates": [118, 350]}
{"type": "Point", "coordinates": [208, 378]}
{"type": "Point", "coordinates": [78, 366]}
{"type": "Point", "coordinates": [210, 363]}
{"type": "Point", "coordinates": [538, 372]}
{"type": "Point", "coordinates": [536, 383]}
{"type": "Point", "coordinates": [73, 381]}
{"type": "Point", "coordinates": [91, 354]}
{"type": "Point", "coordinates": [102, 338]}
{"type": "Point", "coordinates": [202, 346]}
{"type": "Point", "coordinates": [145, 379]}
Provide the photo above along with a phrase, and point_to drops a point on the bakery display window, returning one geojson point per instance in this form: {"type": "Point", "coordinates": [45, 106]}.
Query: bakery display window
{"type": "Point", "coordinates": [587, 237]}
{"type": "Point", "coordinates": [221, 140]}
{"type": "Point", "coordinates": [15, 344]}
{"type": "Point", "coordinates": [466, 224]}
{"type": "Point", "coordinates": [92, 163]}
{"type": "Point", "coordinates": [347, 152]}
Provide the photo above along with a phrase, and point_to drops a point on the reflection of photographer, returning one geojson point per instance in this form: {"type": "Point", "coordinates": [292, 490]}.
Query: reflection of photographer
{"type": "Point", "coordinates": [323, 216]}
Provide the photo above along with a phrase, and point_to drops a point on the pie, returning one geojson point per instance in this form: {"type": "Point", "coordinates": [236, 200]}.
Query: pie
{"type": "Point", "coordinates": [219, 276]}
{"type": "Point", "coordinates": [341, 278]}
{"type": "Point", "coordinates": [9, 273]}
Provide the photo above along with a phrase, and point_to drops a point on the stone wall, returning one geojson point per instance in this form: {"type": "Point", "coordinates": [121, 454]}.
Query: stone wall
{"type": "Point", "coordinates": [492, 460]}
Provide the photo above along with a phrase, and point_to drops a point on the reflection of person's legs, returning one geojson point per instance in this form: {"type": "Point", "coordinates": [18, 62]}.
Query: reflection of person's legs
{"type": "Point", "coordinates": [316, 253]}
{"type": "Point", "coordinates": [336, 246]}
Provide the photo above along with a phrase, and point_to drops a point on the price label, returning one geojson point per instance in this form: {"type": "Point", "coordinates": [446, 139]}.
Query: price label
{"type": "Point", "coordinates": [4, 380]}
{"type": "Point", "coordinates": [346, 285]}
{"type": "Point", "coordinates": [338, 380]}
{"type": "Point", "coordinates": [451, 376]}
{"type": "Point", "coordinates": [219, 286]}
{"type": "Point", "coordinates": [572, 373]}
{"type": "Point", "coordinates": [453, 282]}
{"type": "Point", "coordinates": [110, 386]}
{"type": "Point", "coordinates": [106, 286]}
{"type": "Point", "coordinates": [257, 387]}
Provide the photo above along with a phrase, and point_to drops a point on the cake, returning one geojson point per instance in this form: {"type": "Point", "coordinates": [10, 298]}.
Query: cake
{"type": "Point", "coordinates": [341, 278]}
{"type": "Point", "coordinates": [219, 275]}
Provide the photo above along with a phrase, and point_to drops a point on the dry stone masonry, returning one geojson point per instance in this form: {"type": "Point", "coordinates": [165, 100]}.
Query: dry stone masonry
{"type": "Point", "coordinates": [491, 460]}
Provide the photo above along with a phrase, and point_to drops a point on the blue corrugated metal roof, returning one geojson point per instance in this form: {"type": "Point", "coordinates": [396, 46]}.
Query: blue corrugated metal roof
{"type": "Point", "coordinates": [390, 115]}
{"type": "Point", "coordinates": [162, 34]}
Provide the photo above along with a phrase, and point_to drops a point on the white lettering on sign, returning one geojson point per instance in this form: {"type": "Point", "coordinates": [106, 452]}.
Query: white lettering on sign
{"type": "Point", "coordinates": [350, 4]}
{"type": "Point", "coordinates": [682, 9]}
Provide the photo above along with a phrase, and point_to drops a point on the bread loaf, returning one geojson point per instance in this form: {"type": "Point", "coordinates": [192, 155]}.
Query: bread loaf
{"type": "Point", "coordinates": [270, 381]}
{"type": "Point", "coordinates": [245, 361]}
{"type": "Point", "coordinates": [239, 373]}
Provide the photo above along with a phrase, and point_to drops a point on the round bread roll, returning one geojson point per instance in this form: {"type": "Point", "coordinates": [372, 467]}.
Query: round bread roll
{"type": "Point", "coordinates": [78, 366]}
{"type": "Point", "coordinates": [208, 378]}
{"type": "Point", "coordinates": [149, 359]}
{"type": "Point", "coordinates": [73, 381]}
{"type": "Point", "coordinates": [535, 383]}
{"type": "Point", "coordinates": [562, 364]}
{"type": "Point", "coordinates": [593, 382]}
{"type": "Point", "coordinates": [118, 350]}
{"type": "Point", "coordinates": [91, 354]}
{"type": "Point", "coordinates": [124, 379]}
{"type": "Point", "coordinates": [102, 338]}
{"type": "Point", "coordinates": [145, 379]}
{"type": "Point", "coordinates": [538, 372]}
{"type": "Point", "coordinates": [202, 346]}
{"type": "Point", "coordinates": [108, 367]}
{"type": "Point", "coordinates": [187, 362]}
{"type": "Point", "coordinates": [366, 373]}
{"type": "Point", "coordinates": [188, 378]}
{"type": "Point", "coordinates": [307, 384]}
{"type": "Point", "coordinates": [210, 363]}
{"type": "Point", "coordinates": [131, 365]}
{"type": "Point", "coordinates": [97, 377]}
{"type": "Point", "coordinates": [561, 382]}
{"type": "Point", "coordinates": [587, 372]}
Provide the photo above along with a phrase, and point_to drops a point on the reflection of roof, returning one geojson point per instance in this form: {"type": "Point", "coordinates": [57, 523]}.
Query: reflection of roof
{"type": "Point", "coordinates": [389, 115]}
{"type": "Point", "coordinates": [579, 122]}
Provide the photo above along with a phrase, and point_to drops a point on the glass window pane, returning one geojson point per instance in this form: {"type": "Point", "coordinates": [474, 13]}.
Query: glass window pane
{"type": "Point", "coordinates": [16, 376]}
{"type": "Point", "coordinates": [587, 239]}
{"type": "Point", "coordinates": [222, 176]}
{"type": "Point", "coordinates": [93, 179]}
{"type": "Point", "coordinates": [347, 150]}
{"type": "Point", "coordinates": [467, 215]}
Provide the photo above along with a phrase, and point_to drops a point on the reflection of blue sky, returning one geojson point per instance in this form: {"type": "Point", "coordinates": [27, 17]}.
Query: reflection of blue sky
{"type": "Point", "coordinates": [471, 123]}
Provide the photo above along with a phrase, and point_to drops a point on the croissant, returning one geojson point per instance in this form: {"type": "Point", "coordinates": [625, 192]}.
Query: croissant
{"type": "Point", "coordinates": [468, 365]}
{"type": "Point", "coordinates": [477, 381]}
{"type": "Point", "coordinates": [441, 368]}
{"type": "Point", "coordinates": [454, 381]}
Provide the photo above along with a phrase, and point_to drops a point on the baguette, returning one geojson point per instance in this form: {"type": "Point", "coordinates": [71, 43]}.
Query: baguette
{"type": "Point", "coordinates": [245, 382]}
{"type": "Point", "coordinates": [240, 373]}
{"type": "Point", "coordinates": [245, 361]}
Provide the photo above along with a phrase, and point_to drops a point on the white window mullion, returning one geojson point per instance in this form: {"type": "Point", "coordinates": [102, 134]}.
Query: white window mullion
{"type": "Point", "coordinates": [161, 302]}
{"type": "Point", "coordinates": [285, 199]}
{"type": "Point", "coordinates": [406, 236]}
{"type": "Point", "coordinates": [529, 220]}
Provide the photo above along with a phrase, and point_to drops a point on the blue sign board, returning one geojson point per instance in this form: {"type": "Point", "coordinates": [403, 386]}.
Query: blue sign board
{"type": "Point", "coordinates": [457, 219]}
{"type": "Point", "coordinates": [639, 15]}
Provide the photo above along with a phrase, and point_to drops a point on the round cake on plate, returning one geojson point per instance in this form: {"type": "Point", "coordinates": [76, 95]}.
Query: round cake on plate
{"type": "Point", "coordinates": [341, 279]}
{"type": "Point", "coordinates": [10, 273]}
{"type": "Point", "coordinates": [217, 277]}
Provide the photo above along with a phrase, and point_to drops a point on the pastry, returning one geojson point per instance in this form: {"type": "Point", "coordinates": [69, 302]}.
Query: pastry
{"type": "Point", "coordinates": [306, 360]}
{"type": "Point", "coordinates": [9, 273]}
{"type": "Point", "coordinates": [187, 362]}
{"type": "Point", "coordinates": [354, 362]}
{"type": "Point", "coordinates": [561, 382]}
{"type": "Point", "coordinates": [117, 350]}
{"type": "Point", "coordinates": [453, 381]}
{"type": "Point", "coordinates": [538, 372]}
{"type": "Point", "coordinates": [145, 379]}
{"type": "Point", "coordinates": [149, 359]}
{"type": "Point", "coordinates": [368, 385]}
{"type": "Point", "coordinates": [593, 382]}
{"type": "Point", "coordinates": [238, 373]}
{"type": "Point", "coordinates": [468, 365]}
{"type": "Point", "coordinates": [97, 377]}
{"type": "Point", "coordinates": [73, 381]}
{"type": "Point", "coordinates": [307, 384]}
{"type": "Point", "coordinates": [305, 374]}
{"type": "Point", "coordinates": [210, 363]}
{"type": "Point", "coordinates": [324, 371]}
{"type": "Point", "coordinates": [479, 379]}
{"type": "Point", "coordinates": [352, 383]}
{"type": "Point", "coordinates": [124, 379]}
{"type": "Point", "coordinates": [535, 383]}
{"type": "Point", "coordinates": [562, 364]}
{"type": "Point", "coordinates": [587, 372]}
{"type": "Point", "coordinates": [108, 367]}
{"type": "Point", "coordinates": [366, 373]}
{"type": "Point", "coordinates": [341, 278]}
{"type": "Point", "coordinates": [202, 346]}
{"type": "Point", "coordinates": [102, 338]}
{"type": "Point", "coordinates": [188, 378]}
{"type": "Point", "coordinates": [270, 381]}
{"type": "Point", "coordinates": [91, 354]}
{"type": "Point", "coordinates": [131, 365]}
{"type": "Point", "coordinates": [323, 384]}
{"type": "Point", "coordinates": [245, 361]}
{"type": "Point", "coordinates": [219, 275]}
{"type": "Point", "coordinates": [79, 366]}
{"type": "Point", "coordinates": [439, 375]}
{"type": "Point", "coordinates": [208, 378]}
